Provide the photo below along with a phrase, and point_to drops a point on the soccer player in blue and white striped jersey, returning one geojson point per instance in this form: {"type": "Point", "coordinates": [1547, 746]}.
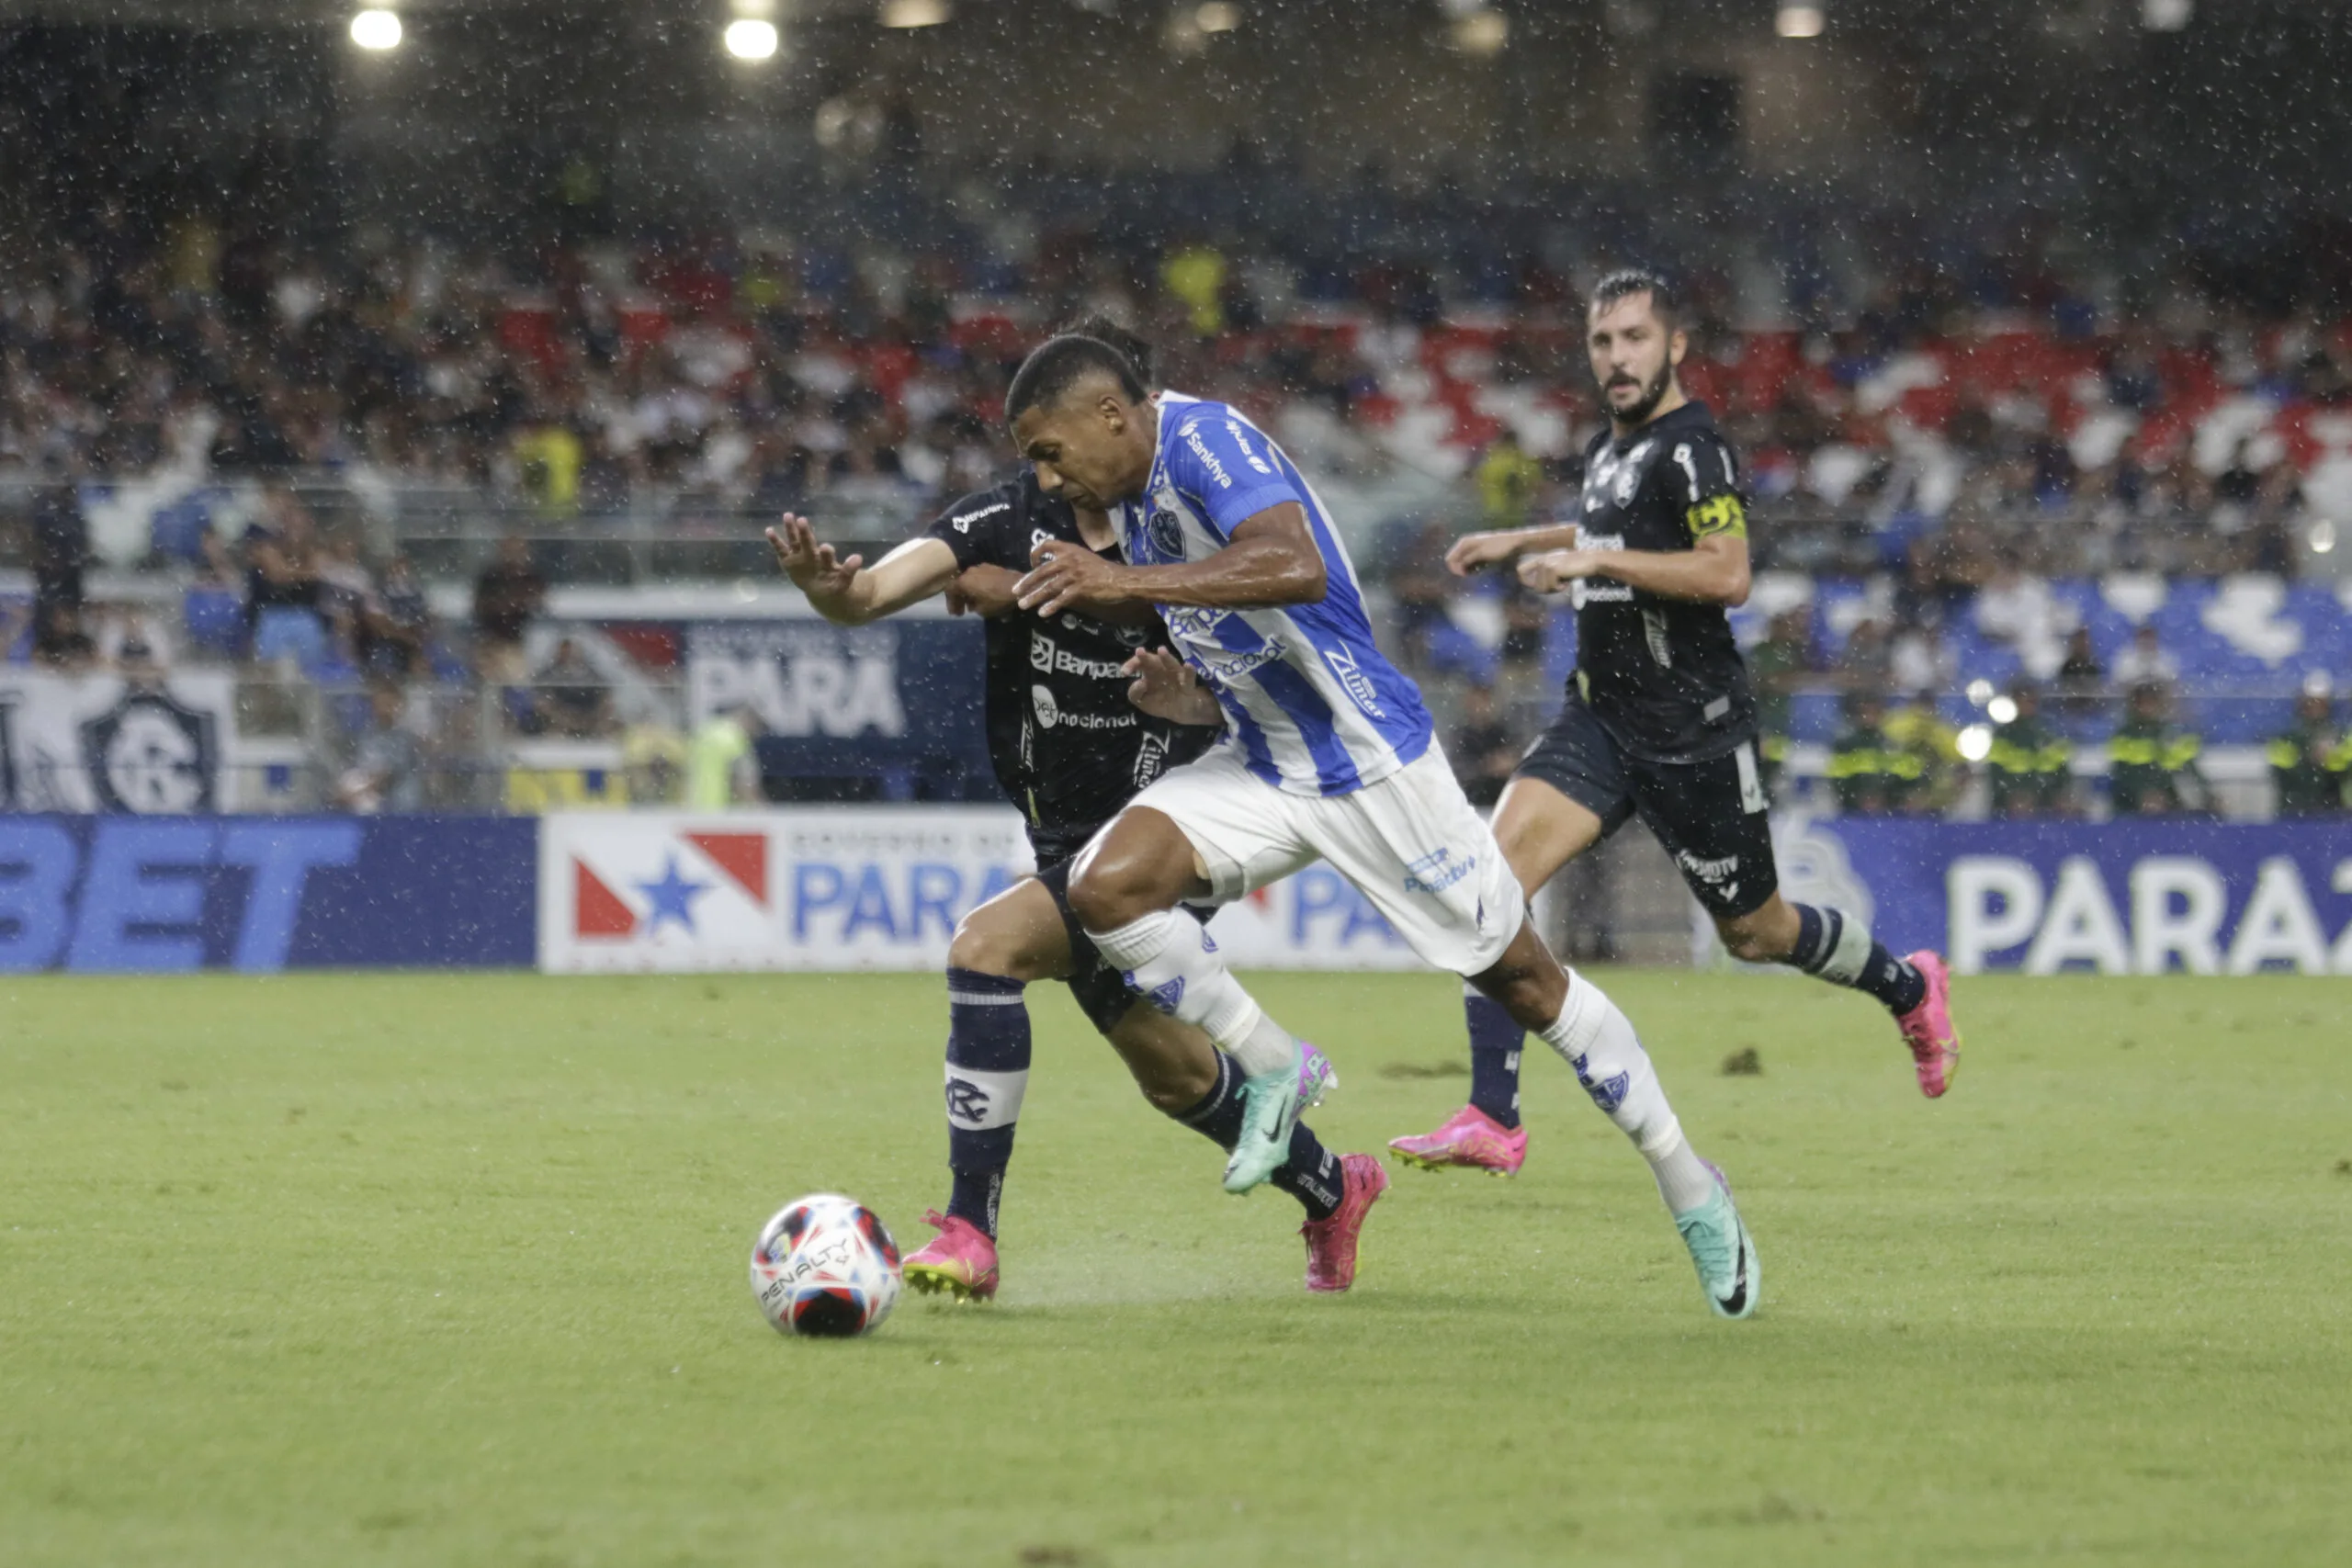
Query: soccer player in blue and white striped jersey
{"type": "Point", "coordinates": [1328, 754]}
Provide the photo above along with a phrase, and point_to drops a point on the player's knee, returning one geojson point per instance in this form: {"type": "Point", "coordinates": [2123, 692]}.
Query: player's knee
{"type": "Point", "coordinates": [1749, 942]}
{"type": "Point", "coordinates": [984, 948]}
{"type": "Point", "coordinates": [1111, 890]}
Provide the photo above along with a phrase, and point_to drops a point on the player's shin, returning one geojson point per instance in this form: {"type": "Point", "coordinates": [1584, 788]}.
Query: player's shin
{"type": "Point", "coordinates": [988, 1073]}
{"type": "Point", "coordinates": [1311, 1174]}
{"type": "Point", "coordinates": [1837, 947]}
{"type": "Point", "coordinates": [1495, 1038]}
{"type": "Point", "coordinates": [1597, 1039]}
{"type": "Point", "coordinates": [1174, 966]}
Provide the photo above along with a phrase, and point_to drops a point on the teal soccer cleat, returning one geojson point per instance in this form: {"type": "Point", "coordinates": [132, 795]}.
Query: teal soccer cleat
{"type": "Point", "coordinates": [1271, 1104]}
{"type": "Point", "coordinates": [1724, 1253]}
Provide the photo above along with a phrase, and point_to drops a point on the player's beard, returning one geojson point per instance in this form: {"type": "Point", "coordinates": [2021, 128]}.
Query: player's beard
{"type": "Point", "coordinates": [1646, 404]}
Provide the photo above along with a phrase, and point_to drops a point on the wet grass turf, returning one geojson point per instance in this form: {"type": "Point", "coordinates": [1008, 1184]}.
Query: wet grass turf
{"type": "Point", "coordinates": [450, 1270]}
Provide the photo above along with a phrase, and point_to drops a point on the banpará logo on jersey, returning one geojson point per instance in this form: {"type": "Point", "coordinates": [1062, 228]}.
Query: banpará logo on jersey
{"type": "Point", "coordinates": [1048, 657]}
{"type": "Point", "coordinates": [1353, 681]}
{"type": "Point", "coordinates": [1191, 434]}
{"type": "Point", "coordinates": [962, 522]}
{"type": "Point", "coordinates": [1195, 622]}
{"type": "Point", "coordinates": [1437, 870]}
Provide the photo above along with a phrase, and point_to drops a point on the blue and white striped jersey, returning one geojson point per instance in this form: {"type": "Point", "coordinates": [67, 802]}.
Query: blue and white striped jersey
{"type": "Point", "coordinates": [1308, 697]}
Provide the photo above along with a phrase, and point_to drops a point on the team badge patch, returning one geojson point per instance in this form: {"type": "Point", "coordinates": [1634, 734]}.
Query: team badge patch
{"type": "Point", "coordinates": [1167, 534]}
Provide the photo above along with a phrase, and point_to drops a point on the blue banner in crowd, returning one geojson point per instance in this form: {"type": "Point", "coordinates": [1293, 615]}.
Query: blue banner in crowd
{"type": "Point", "coordinates": [906, 696]}
{"type": "Point", "coordinates": [2139, 897]}
{"type": "Point", "coordinates": [146, 895]}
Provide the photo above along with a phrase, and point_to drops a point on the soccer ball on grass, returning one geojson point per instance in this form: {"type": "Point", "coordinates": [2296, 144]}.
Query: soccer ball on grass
{"type": "Point", "coordinates": [825, 1266]}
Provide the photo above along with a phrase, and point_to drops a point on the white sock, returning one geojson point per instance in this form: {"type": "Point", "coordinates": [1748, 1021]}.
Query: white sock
{"type": "Point", "coordinates": [1597, 1039]}
{"type": "Point", "coordinates": [1171, 960]}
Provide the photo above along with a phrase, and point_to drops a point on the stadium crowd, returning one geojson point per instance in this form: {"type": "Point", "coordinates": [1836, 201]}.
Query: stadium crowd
{"type": "Point", "coordinates": [1959, 432]}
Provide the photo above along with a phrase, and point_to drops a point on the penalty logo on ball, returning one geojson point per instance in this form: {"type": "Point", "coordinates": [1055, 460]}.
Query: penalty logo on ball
{"type": "Point", "coordinates": [825, 1266]}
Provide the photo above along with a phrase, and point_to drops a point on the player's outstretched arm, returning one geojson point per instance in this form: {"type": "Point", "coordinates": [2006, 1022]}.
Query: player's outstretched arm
{"type": "Point", "coordinates": [1713, 571]}
{"type": "Point", "coordinates": [1268, 558]}
{"type": "Point", "coordinates": [1493, 549]}
{"type": "Point", "coordinates": [848, 593]}
{"type": "Point", "coordinates": [1165, 687]}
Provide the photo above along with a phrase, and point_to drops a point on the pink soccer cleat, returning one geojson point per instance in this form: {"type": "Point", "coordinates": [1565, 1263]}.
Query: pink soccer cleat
{"type": "Point", "coordinates": [1470, 1138]}
{"type": "Point", "coordinates": [960, 1259]}
{"type": "Point", "coordinates": [1927, 1029]}
{"type": "Point", "coordinates": [1332, 1243]}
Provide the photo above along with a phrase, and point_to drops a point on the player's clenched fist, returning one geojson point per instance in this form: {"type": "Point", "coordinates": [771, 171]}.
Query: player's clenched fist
{"type": "Point", "coordinates": [1554, 569]}
{"type": "Point", "coordinates": [1474, 550]}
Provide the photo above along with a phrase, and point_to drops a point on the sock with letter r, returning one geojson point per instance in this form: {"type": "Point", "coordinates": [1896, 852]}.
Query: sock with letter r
{"type": "Point", "coordinates": [1310, 1174]}
{"type": "Point", "coordinates": [1495, 1040]}
{"type": "Point", "coordinates": [1835, 946]}
{"type": "Point", "coordinates": [988, 1074]}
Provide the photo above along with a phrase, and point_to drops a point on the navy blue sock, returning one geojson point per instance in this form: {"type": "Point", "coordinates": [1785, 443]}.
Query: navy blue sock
{"type": "Point", "coordinates": [1495, 1040]}
{"type": "Point", "coordinates": [1311, 1174]}
{"type": "Point", "coordinates": [988, 1072]}
{"type": "Point", "coordinates": [1835, 947]}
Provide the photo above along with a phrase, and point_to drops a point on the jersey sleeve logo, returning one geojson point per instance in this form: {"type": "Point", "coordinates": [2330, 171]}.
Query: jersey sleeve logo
{"type": "Point", "coordinates": [963, 521]}
{"type": "Point", "coordinates": [1717, 514]}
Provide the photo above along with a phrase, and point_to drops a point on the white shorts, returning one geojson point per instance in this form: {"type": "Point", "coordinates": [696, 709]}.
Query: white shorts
{"type": "Point", "coordinates": [1412, 845]}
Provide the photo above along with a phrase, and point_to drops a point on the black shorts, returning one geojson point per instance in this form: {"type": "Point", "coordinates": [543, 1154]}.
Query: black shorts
{"type": "Point", "coordinates": [1101, 991]}
{"type": "Point", "coordinates": [1711, 815]}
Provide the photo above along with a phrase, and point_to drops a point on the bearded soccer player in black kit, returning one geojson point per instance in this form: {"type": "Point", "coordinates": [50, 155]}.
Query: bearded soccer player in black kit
{"type": "Point", "coordinates": [1070, 744]}
{"type": "Point", "coordinates": [1659, 721]}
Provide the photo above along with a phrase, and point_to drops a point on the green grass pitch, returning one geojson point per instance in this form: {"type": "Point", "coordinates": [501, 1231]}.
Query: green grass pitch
{"type": "Point", "coordinates": [450, 1270]}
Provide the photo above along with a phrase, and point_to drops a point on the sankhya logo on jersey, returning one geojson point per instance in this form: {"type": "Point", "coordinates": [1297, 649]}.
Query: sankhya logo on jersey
{"type": "Point", "coordinates": [1048, 657]}
{"type": "Point", "coordinates": [1191, 434]}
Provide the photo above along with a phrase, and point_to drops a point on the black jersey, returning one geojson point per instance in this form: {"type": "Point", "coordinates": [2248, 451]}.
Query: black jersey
{"type": "Point", "coordinates": [1663, 675]}
{"type": "Point", "coordinates": [1067, 745]}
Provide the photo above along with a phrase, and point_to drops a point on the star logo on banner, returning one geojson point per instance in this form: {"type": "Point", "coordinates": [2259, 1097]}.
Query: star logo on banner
{"type": "Point", "coordinates": [672, 899]}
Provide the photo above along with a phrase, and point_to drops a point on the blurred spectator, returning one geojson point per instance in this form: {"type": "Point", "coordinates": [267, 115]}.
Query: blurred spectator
{"type": "Point", "coordinates": [397, 625]}
{"type": "Point", "coordinates": [62, 644]}
{"type": "Point", "coordinates": [569, 695]}
{"type": "Point", "coordinates": [387, 772]}
{"type": "Point", "coordinates": [2311, 763]}
{"type": "Point", "coordinates": [1868, 772]}
{"type": "Point", "coordinates": [1919, 660]}
{"type": "Point", "coordinates": [1483, 749]}
{"type": "Point", "coordinates": [1915, 727]}
{"type": "Point", "coordinates": [1779, 664]}
{"type": "Point", "coordinates": [2152, 761]}
{"type": "Point", "coordinates": [722, 766]}
{"type": "Point", "coordinates": [1508, 480]}
{"type": "Point", "coordinates": [282, 584]}
{"type": "Point", "coordinates": [1866, 663]}
{"type": "Point", "coordinates": [2082, 680]}
{"type": "Point", "coordinates": [2030, 765]}
{"type": "Point", "coordinates": [508, 596]}
{"type": "Point", "coordinates": [60, 550]}
{"type": "Point", "coordinates": [2144, 661]}
{"type": "Point", "coordinates": [653, 760]}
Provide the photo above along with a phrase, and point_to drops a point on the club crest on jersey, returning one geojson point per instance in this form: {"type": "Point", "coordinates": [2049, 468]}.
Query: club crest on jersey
{"type": "Point", "coordinates": [1167, 535]}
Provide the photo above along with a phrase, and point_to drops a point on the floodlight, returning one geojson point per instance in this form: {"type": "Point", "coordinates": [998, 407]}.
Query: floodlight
{"type": "Point", "coordinates": [376, 29]}
{"type": "Point", "coordinates": [1799, 21]}
{"type": "Point", "coordinates": [2002, 710]}
{"type": "Point", "coordinates": [1217, 16]}
{"type": "Point", "coordinates": [915, 13]}
{"type": "Point", "coordinates": [1975, 743]}
{"type": "Point", "coordinates": [749, 38]}
{"type": "Point", "coordinates": [1482, 31]}
{"type": "Point", "coordinates": [2166, 16]}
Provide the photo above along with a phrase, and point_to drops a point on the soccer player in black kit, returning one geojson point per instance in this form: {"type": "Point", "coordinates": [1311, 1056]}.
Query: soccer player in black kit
{"type": "Point", "coordinates": [1070, 746]}
{"type": "Point", "coordinates": [1659, 721]}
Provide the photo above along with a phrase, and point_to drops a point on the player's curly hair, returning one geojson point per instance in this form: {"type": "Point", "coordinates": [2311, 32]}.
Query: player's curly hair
{"type": "Point", "coordinates": [1060, 363]}
{"type": "Point", "coordinates": [1665, 304]}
